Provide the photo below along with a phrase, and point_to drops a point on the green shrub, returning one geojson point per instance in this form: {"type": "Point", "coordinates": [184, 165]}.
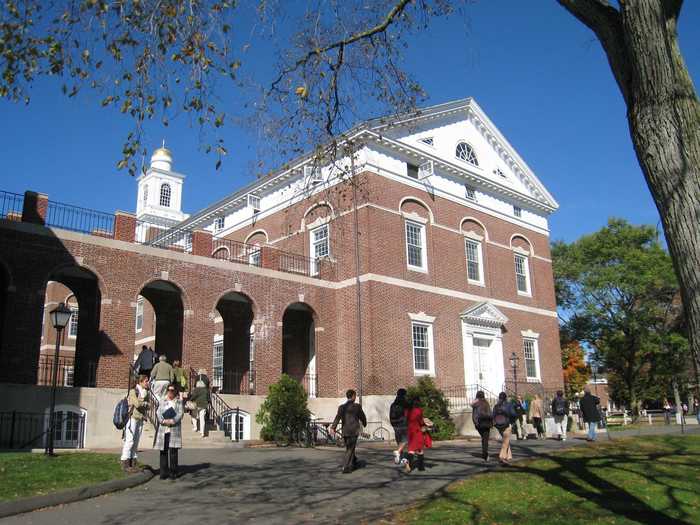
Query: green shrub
{"type": "Point", "coordinates": [435, 407]}
{"type": "Point", "coordinates": [284, 414]}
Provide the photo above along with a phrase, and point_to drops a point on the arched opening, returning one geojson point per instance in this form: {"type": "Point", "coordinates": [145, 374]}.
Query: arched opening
{"type": "Point", "coordinates": [79, 347]}
{"type": "Point", "coordinates": [233, 370]}
{"type": "Point", "coordinates": [163, 301]}
{"type": "Point", "coordinates": [70, 426]}
{"type": "Point", "coordinates": [299, 346]}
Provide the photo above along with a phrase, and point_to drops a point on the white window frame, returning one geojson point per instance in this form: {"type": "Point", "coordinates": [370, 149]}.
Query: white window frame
{"type": "Point", "coordinates": [535, 357]}
{"type": "Point", "coordinates": [313, 243]}
{"type": "Point", "coordinates": [479, 261]}
{"type": "Point", "coordinates": [469, 193]}
{"type": "Point", "coordinates": [219, 223]}
{"type": "Point", "coordinates": [254, 202]}
{"type": "Point", "coordinates": [517, 211]}
{"type": "Point", "coordinates": [468, 148]}
{"type": "Point", "coordinates": [430, 371]}
{"type": "Point", "coordinates": [73, 321]}
{"type": "Point", "coordinates": [423, 247]}
{"type": "Point", "coordinates": [217, 380]}
{"type": "Point", "coordinates": [68, 375]}
{"type": "Point", "coordinates": [139, 314]}
{"type": "Point", "coordinates": [526, 273]}
{"type": "Point", "coordinates": [166, 195]}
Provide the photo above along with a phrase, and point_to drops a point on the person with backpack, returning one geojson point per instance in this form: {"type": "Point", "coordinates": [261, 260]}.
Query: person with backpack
{"type": "Point", "coordinates": [518, 426]}
{"type": "Point", "coordinates": [397, 418]}
{"type": "Point", "coordinates": [536, 415]}
{"type": "Point", "coordinates": [137, 403]}
{"type": "Point", "coordinates": [483, 421]}
{"type": "Point", "coordinates": [145, 361]}
{"type": "Point", "coordinates": [162, 375]}
{"type": "Point", "coordinates": [199, 402]}
{"type": "Point", "coordinates": [169, 436]}
{"type": "Point", "coordinates": [560, 411]}
{"type": "Point", "coordinates": [503, 417]}
{"type": "Point", "coordinates": [589, 410]}
{"type": "Point", "coordinates": [180, 376]}
{"type": "Point", "coordinates": [352, 416]}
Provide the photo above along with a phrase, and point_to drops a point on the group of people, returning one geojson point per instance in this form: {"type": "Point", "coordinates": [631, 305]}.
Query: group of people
{"type": "Point", "coordinates": [411, 431]}
{"type": "Point", "coordinates": [168, 384]}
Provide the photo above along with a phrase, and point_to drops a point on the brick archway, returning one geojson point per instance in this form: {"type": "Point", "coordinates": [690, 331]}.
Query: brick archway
{"type": "Point", "coordinates": [299, 346]}
{"type": "Point", "coordinates": [167, 302]}
{"type": "Point", "coordinates": [233, 369]}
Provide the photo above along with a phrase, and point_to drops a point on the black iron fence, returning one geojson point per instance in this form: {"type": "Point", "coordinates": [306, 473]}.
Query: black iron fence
{"type": "Point", "coordinates": [23, 430]}
{"type": "Point", "coordinates": [11, 205]}
{"type": "Point", "coordinates": [77, 219]}
{"type": "Point", "coordinates": [310, 384]}
{"type": "Point", "coordinates": [237, 382]}
{"type": "Point", "coordinates": [235, 251]}
{"type": "Point", "coordinates": [461, 397]}
{"type": "Point", "coordinates": [67, 373]}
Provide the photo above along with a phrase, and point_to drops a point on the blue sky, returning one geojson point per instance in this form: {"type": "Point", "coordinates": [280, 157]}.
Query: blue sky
{"type": "Point", "coordinates": [537, 72]}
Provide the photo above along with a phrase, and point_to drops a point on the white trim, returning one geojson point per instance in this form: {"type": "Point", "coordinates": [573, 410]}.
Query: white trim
{"type": "Point", "coordinates": [480, 260]}
{"type": "Point", "coordinates": [313, 243]}
{"type": "Point", "coordinates": [521, 251]}
{"type": "Point", "coordinates": [430, 371]}
{"type": "Point", "coordinates": [255, 232]}
{"type": "Point", "coordinates": [422, 317]}
{"type": "Point", "coordinates": [140, 302]}
{"type": "Point", "coordinates": [536, 350]}
{"type": "Point", "coordinates": [414, 217]}
{"type": "Point", "coordinates": [419, 201]}
{"type": "Point", "coordinates": [529, 334]}
{"type": "Point", "coordinates": [144, 340]}
{"type": "Point", "coordinates": [526, 271]}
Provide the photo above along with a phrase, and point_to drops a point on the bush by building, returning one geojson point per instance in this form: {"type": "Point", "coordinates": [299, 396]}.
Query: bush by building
{"type": "Point", "coordinates": [284, 415]}
{"type": "Point", "coordinates": [435, 407]}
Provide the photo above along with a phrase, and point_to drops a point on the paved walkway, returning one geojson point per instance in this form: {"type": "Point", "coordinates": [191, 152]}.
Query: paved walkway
{"type": "Point", "coordinates": [285, 486]}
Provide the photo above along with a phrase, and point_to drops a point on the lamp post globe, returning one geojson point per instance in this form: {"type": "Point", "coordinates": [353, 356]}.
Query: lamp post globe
{"type": "Point", "coordinates": [60, 316]}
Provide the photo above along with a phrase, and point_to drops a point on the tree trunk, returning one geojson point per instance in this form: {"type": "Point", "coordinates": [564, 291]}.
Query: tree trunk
{"type": "Point", "coordinates": [663, 112]}
{"type": "Point", "coordinates": [677, 400]}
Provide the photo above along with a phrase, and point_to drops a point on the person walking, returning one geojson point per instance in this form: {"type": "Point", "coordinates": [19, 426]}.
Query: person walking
{"type": "Point", "coordinates": [667, 412]}
{"type": "Point", "coordinates": [503, 417]}
{"type": "Point", "coordinates": [560, 411]}
{"type": "Point", "coordinates": [417, 428]}
{"type": "Point", "coordinates": [397, 418]}
{"type": "Point", "coordinates": [536, 415]}
{"type": "Point", "coordinates": [200, 398]}
{"type": "Point", "coordinates": [518, 425]}
{"type": "Point", "coordinates": [591, 414]}
{"type": "Point", "coordinates": [351, 415]}
{"type": "Point", "coordinates": [138, 404]}
{"type": "Point", "coordinates": [162, 375]}
{"type": "Point", "coordinates": [483, 421]}
{"type": "Point", "coordinates": [145, 361]}
{"type": "Point", "coordinates": [180, 376]}
{"type": "Point", "coordinates": [169, 435]}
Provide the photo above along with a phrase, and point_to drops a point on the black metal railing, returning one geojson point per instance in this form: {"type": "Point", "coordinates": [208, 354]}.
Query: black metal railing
{"type": "Point", "coordinates": [461, 397]}
{"type": "Point", "coordinates": [11, 205]}
{"type": "Point", "coordinates": [237, 382]}
{"type": "Point", "coordinates": [176, 239]}
{"type": "Point", "coordinates": [236, 251]}
{"type": "Point", "coordinates": [310, 384]}
{"type": "Point", "coordinates": [22, 430]}
{"type": "Point", "coordinates": [77, 219]}
{"type": "Point", "coordinates": [67, 368]}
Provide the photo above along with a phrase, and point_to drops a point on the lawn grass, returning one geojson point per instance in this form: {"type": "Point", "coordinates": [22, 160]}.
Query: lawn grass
{"type": "Point", "coordinates": [23, 474]}
{"type": "Point", "coordinates": [632, 480]}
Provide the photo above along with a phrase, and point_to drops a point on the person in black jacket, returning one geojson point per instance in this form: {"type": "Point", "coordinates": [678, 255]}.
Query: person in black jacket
{"type": "Point", "coordinates": [589, 410]}
{"type": "Point", "coordinates": [352, 416]}
{"type": "Point", "coordinates": [397, 418]}
{"type": "Point", "coordinates": [560, 411]}
{"type": "Point", "coordinates": [145, 361]}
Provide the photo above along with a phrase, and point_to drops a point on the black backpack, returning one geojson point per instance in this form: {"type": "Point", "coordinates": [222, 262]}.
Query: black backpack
{"type": "Point", "coordinates": [500, 417]}
{"type": "Point", "coordinates": [484, 419]}
{"type": "Point", "coordinates": [397, 416]}
{"type": "Point", "coordinates": [121, 414]}
{"type": "Point", "coordinates": [560, 406]}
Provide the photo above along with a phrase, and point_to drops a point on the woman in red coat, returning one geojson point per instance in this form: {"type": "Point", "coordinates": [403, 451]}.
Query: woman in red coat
{"type": "Point", "coordinates": [416, 439]}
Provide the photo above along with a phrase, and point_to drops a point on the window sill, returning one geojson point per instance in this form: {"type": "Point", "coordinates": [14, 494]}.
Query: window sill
{"type": "Point", "coordinates": [423, 373]}
{"type": "Point", "coordinates": [534, 380]}
{"type": "Point", "coordinates": [417, 269]}
{"type": "Point", "coordinates": [524, 294]}
{"type": "Point", "coordinates": [476, 283]}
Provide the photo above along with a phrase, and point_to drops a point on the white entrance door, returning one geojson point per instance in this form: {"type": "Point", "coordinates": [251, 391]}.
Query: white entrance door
{"type": "Point", "coordinates": [483, 358]}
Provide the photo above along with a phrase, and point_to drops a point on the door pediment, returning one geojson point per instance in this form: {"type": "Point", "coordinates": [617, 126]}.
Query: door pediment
{"type": "Point", "coordinates": [484, 314]}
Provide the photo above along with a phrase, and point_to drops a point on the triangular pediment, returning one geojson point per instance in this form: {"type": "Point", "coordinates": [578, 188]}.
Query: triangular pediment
{"type": "Point", "coordinates": [484, 314]}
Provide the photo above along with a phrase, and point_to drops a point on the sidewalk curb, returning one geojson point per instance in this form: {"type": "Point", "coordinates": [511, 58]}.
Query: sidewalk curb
{"type": "Point", "coordinates": [12, 508]}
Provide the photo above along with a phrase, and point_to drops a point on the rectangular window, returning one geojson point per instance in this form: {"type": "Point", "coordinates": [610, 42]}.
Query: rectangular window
{"type": "Point", "coordinates": [470, 192]}
{"type": "Point", "coordinates": [517, 211]}
{"type": "Point", "coordinates": [219, 223]}
{"type": "Point", "coordinates": [139, 314]}
{"type": "Point", "coordinates": [474, 262]}
{"type": "Point", "coordinates": [255, 256]}
{"type": "Point", "coordinates": [423, 355]}
{"type": "Point", "coordinates": [68, 375]}
{"type": "Point", "coordinates": [254, 202]}
{"type": "Point", "coordinates": [522, 274]}
{"type": "Point", "coordinates": [415, 246]}
{"type": "Point", "coordinates": [217, 368]}
{"type": "Point", "coordinates": [73, 323]}
{"type": "Point", "coordinates": [532, 366]}
{"type": "Point", "coordinates": [412, 171]}
{"type": "Point", "coordinates": [320, 246]}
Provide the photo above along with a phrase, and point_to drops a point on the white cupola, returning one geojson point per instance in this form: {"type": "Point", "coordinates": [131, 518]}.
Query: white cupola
{"type": "Point", "coordinates": [159, 199]}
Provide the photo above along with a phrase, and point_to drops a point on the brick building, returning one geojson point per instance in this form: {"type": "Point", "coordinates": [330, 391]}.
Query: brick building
{"type": "Point", "coordinates": [422, 248]}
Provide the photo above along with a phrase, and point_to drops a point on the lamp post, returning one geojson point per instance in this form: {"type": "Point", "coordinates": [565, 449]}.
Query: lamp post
{"type": "Point", "coordinates": [59, 318]}
{"type": "Point", "coordinates": [594, 369]}
{"type": "Point", "coordinates": [514, 364]}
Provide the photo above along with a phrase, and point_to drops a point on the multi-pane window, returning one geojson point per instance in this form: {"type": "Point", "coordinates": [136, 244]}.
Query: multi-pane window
{"type": "Point", "coordinates": [219, 223]}
{"type": "Point", "coordinates": [255, 256]}
{"type": "Point", "coordinates": [165, 195]}
{"type": "Point", "coordinates": [68, 376]}
{"type": "Point", "coordinates": [470, 192]}
{"type": "Point", "coordinates": [139, 314]}
{"type": "Point", "coordinates": [466, 153]}
{"type": "Point", "coordinates": [73, 323]}
{"type": "Point", "coordinates": [217, 369]}
{"type": "Point", "coordinates": [320, 246]}
{"type": "Point", "coordinates": [517, 211]}
{"type": "Point", "coordinates": [415, 245]}
{"type": "Point", "coordinates": [532, 368]}
{"type": "Point", "coordinates": [422, 348]}
{"type": "Point", "coordinates": [474, 264]}
{"type": "Point", "coordinates": [522, 274]}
